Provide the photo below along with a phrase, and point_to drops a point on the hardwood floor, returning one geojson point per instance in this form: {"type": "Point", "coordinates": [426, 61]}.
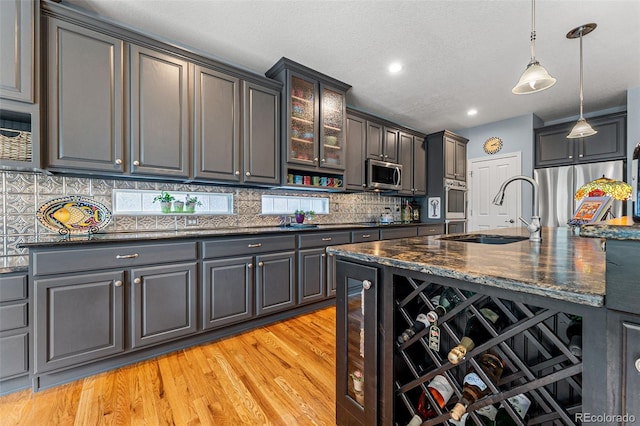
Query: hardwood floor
{"type": "Point", "coordinates": [281, 374]}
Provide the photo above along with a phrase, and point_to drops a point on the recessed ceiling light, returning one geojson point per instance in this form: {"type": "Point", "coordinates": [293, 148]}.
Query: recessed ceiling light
{"type": "Point", "coordinates": [472, 111]}
{"type": "Point", "coordinates": [395, 67]}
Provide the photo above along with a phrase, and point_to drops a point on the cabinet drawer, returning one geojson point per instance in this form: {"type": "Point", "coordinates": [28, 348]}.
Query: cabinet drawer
{"type": "Point", "coordinates": [365, 235]}
{"type": "Point", "coordinates": [13, 287]}
{"type": "Point", "coordinates": [430, 230]}
{"type": "Point", "coordinates": [14, 353]}
{"type": "Point", "coordinates": [224, 247]}
{"type": "Point", "coordinates": [88, 259]}
{"type": "Point", "coordinates": [13, 316]}
{"type": "Point", "coordinates": [323, 239]}
{"type": "Point", "coordinates": [405, 232]}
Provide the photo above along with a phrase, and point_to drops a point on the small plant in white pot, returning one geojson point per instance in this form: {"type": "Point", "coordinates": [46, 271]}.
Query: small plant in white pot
{"type": "Point", "coordinates": [165, 200]}
{"type": "Point", "coordinates": [191, 203]}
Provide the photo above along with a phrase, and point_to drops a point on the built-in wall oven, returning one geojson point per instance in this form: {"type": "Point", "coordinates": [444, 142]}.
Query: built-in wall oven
{"type": "Point", "coordinates": [455, 206]}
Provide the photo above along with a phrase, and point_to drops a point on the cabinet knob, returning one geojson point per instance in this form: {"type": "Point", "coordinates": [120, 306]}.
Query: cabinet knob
{"type": "Point", "coordinates": [323, 255]}
{"type": "Point", "coordinates": [580, 155]}
{"type": "Point", "coordinates": [118, 161]}
{"type": "Point", "coordinates": [323, 160]}
{"type": "Point", "coordinates": [261, 264]}
{"type": "Point", "coordinates": [250, 265]}
{"type": "Point", "coordinates": [366, 284]}
{"type": "Point", "coordinates": [364, 185]}
{"type": "Point", "coordinates": [571, 156]}
{"type": "Point", "coordinates": [137, 281]}
{"type": "Point", "coordinates": [315, 160]}
{"type": "Point", "coordinates": [237, 172]}
{"type": "Point", "coordinates": [331, 254]}
{"type": "Point", "coordinates": [118, 283]}
{"type": "Point", "coordinates": [638, 364]}
{"type": "Point", "coordinates": [136, 163]}
{"type": "Point", "coordinates": [248, 174]}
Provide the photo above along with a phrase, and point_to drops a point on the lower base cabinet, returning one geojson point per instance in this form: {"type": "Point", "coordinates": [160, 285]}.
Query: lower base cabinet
{"type": "Point", "coordinates": [163, 303]}
{"type": "Point", "coordinates": [227, 292]}
{"type": "Point", "coordinates": [78, 318]}
{"type": "Point", "coordinates": [275, 278]}
{"type": "Point", "coordinates": [15, 332]}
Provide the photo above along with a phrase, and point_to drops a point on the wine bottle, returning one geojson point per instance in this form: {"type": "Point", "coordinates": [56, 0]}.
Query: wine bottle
{"type": "Point", "coordinates": [489, 413]}
{"type": "Point", "coordinates": [447, 301]}
{"type": "Point", "coordinates": [441, 391]}
{"type": "Point", "coordinates": [520, 404]}
{"type": "Point", "coordinates": [473, 386]}
{"type": "Point", "coordinates": [475, 333]}
{"type": "Point", "coordinates": [574, 334]}
{"type": "Point", "coordinates": [420, 323]}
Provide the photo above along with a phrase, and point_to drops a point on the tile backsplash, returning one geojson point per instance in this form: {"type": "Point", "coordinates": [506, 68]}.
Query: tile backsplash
{"type": "Point", "coordinates": [24, 192]}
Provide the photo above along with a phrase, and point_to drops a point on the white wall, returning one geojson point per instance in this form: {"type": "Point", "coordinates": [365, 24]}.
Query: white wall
{"type": "Point", "coordinates": [633, 132]}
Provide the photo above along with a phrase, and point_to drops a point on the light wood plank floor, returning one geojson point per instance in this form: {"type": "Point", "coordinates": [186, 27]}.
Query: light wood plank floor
{"type": "Point", "coordinates": [281, 374]}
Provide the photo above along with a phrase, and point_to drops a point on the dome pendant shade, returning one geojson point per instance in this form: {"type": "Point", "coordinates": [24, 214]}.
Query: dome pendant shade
{"type": "Point", "coordinates": [534, 79]}
{"type": "Point", "coordinates": [582, 129]}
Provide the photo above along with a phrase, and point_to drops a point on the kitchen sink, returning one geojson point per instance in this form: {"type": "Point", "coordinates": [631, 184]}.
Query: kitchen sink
{"type": "Point", "coordinates": [485, 239]}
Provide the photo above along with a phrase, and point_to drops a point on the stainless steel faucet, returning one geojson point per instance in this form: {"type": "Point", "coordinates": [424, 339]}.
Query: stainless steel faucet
{"type": "Point", "coordinates": [534, 226]}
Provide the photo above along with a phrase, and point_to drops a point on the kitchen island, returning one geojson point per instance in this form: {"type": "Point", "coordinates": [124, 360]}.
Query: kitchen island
{"type": "Point", "coordinates": [541, 290]}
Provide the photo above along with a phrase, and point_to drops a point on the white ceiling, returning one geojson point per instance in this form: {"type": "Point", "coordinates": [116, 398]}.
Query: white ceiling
{"type": "Point", "coordinates": [457, 55]}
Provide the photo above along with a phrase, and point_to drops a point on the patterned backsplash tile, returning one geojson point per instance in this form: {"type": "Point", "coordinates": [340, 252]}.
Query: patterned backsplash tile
{"type": "Point", "coordinates": [24, 192]}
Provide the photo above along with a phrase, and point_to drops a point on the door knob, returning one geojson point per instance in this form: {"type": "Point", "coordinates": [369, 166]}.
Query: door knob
{"type": "Point", "coordinates": [510, 221]}
{"type": "Point", "coordinates": [366, 284]}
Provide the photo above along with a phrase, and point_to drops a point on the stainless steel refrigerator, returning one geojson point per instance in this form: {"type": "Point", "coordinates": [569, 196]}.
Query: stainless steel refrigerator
{"type": "Point", "coordinates": [558, 186]}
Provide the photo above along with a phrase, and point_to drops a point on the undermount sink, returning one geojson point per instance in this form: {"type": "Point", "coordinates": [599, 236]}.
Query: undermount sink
{"type": "Point", "coordinates": [485, 239]}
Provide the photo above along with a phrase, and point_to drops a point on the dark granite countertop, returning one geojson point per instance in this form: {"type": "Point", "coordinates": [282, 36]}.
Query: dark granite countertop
{"type": "Point", "coordinates": [622, 228]}
{"type": "Point", "coordinates": [10, 264]}
{"type": "Point", "coordinates": [563, 266]}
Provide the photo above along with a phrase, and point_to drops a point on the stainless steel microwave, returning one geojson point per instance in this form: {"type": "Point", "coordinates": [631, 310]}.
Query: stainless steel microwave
{"type": "Point", "coordinates": [383, 175]}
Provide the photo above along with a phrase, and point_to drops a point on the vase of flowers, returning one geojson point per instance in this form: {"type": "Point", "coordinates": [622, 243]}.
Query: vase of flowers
{"type": "Point", "coordinates": [165, 200]}
{"type": "Point", "coordinates": [358, 381]}
{"type": "Point", "coordinates": [191, 203]}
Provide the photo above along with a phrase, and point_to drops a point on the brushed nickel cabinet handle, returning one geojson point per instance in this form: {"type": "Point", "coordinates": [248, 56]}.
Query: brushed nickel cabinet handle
{"type": "Point", "coordinates": [323, 160]}
{"type": "Point", "coordinates": [137, 281]}
{"type": "Point", "coordinates": [366, 235]}
{"type": "Point", "coordinates": [254, 245]}
{"type": "Point", "coordinates": [136, 163]}
{"type": "Point", "coordinates": [127, 256]}
{"type": "Point", "coordinates": [327, 239]}
{"type": "Point", "coordinates": [331, 255]}
{"type": "Point", "coordinates": [118, 283]}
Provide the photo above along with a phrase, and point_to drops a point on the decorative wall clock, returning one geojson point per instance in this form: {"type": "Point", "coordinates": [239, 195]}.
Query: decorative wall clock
{"type": "Point", "coordinates": [492, 145]}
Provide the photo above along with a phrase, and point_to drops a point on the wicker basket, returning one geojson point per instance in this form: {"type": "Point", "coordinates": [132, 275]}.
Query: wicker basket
{"type": "Point", "coordinates": [15, 145]}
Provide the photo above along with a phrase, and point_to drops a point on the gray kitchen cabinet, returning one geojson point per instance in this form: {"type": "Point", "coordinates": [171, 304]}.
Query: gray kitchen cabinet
{"type": "Point", "coordinates": [159, 113]}
{"type": "Point", "coordinates": [78, 318]}
{"type": "Point", "coordinates": [17, 48]}
{"type": "Point", "coordinates": [414, 163]}
{"type": "Point", "coordinates": [314, 281]}
{"type": "Point", "coordinates": [228, 291]}
{"type": "Point", "coordinates": [262, 264]}
{"type": "Point", "coordinates": [313, 120]}
{"type": "Point", "coordinates": [162, 303]}
{"type": "Point", "coordinates": [355, 178]}
{"type": "Point", "coordinates": [275, 282]}
{"type": "Point", "coordinates": [391, 144]}
{"type": "Point", "coordinates": [216, 125]}
{"type": "Point", "coordinates": [455, 157]}
{"type": "Point", "coordinates": [624, 365]}
{"type": "Point", "coordinates": [552, 148]}
{"type": "Point", "coordinates": [398, 232]}
{"type": "Point", "coordinates": [431, 229]}
{"type": "Point", "coordinates": [261, 135]}
{"type": "Point", "coordinates": [375, 140]}
{"type": "Point", "coordinates": [15, 356]}
{"type": "Point", "coordinates": [364, 235]}
{"type": "Point", "coordinates": [85, 120]}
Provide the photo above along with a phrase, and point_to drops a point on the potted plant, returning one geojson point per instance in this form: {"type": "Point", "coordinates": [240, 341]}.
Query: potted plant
{"type": "Point", "coordinates": [191, 203]}
{"type": "Point", "coordinates": [165, 200]}
{"type": "Point", "coordinates": [178, 206]}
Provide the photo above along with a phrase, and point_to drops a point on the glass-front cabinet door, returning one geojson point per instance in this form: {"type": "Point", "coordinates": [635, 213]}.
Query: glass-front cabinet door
{"type": "Point", "coordinates": [332, 133]}
{"type": "Point", "coordinates": [302, 126]}
{"type": "Point", "coordinates": [356, 345]}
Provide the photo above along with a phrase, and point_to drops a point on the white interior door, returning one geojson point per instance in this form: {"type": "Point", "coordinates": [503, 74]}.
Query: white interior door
{"type": "Point", "coordinates": [485, 177]}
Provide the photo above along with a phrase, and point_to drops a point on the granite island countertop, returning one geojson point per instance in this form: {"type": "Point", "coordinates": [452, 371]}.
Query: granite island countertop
{"type": "Point", "coordinates": [563, 266]}
{"type": "Point", "coordinates": [622, 228]}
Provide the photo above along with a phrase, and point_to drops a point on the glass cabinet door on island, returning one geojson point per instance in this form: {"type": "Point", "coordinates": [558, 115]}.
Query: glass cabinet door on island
{"type": "Point", "coordinates": [332, 130]}
{"type": "Point", "coordinates": [356, 382]}
{"type": "Point", "coordinates": [304, 115]}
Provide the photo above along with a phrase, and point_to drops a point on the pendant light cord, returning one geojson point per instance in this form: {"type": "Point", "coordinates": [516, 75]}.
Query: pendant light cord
{"type": "Point", "coordinates": [581, 95]}
{"type": "Point", "coordinates": [533, 31]}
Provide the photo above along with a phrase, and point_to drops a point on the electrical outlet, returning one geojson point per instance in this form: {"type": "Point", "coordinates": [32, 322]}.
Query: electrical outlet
{"type": "Point", "coordinates": [192, 221]}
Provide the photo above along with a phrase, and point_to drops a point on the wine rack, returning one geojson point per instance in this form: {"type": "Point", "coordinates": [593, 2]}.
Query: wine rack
{"type": "Point", "coordinates": [531, 342]}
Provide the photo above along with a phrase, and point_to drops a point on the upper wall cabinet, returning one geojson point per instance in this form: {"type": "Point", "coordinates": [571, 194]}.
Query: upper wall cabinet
{"type": "Point", "coordinates": [313, 119]}
{"type": "Point", "coordinates": [413, 157]}
{"type": "Point", "coordinates": [159, 113]}
{"type": "Point", "coordinates": [355, 178]}
{"type": "Point", "coordinates": [552, 148]}
{"type": "Point", "coordinates": [17, 41]}
{"type": "Point", "coordinates": [85, 106]}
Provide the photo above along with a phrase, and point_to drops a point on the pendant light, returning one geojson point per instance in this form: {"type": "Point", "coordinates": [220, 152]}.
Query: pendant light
{"type": "Point", "coordinates": [582, 129]}
{"type": "Point", "coordinates": [535, 77]}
